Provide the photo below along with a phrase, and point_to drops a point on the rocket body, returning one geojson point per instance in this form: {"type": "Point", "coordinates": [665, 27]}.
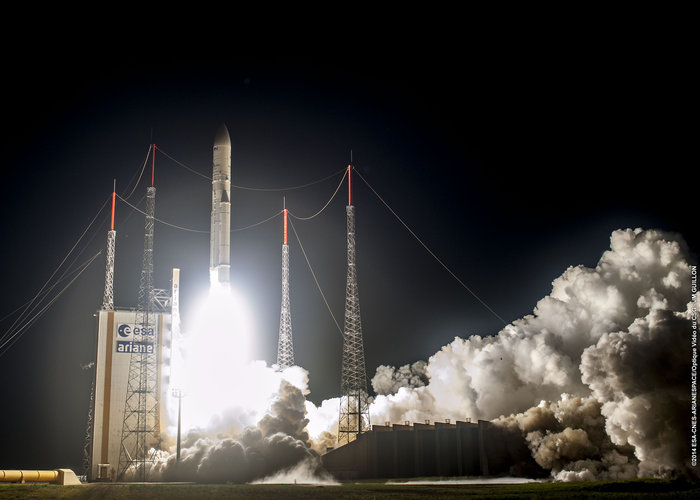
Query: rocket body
{"type": "Point", "coordinates": [220, 239]}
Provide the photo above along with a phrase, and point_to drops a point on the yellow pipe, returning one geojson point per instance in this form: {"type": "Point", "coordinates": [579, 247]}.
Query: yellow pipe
{"type": "Point", "coordinates": [10, 475]}
{"type": "Point", "coordinates": [35, 476]}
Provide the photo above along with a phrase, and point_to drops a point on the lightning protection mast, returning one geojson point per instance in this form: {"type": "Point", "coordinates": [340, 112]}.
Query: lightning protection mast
{"type": "Point", "coordinates": [108, 299]}
{"type": "Point", "coordinates": [140, 428]}
{"type": "Point", "coordinates": [354, 407]}
{"type": "Point", "coordinates": [107, 305]}
{"type": "Point", "coordinates": [285, 347]}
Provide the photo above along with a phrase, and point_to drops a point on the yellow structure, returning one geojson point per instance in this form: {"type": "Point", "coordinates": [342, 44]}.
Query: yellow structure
{"type": "Point", "coordinates": [58, 476]}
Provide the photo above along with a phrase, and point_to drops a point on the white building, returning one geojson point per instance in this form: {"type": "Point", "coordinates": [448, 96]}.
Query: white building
{"type": "Point", "coordinates": [118, 335]}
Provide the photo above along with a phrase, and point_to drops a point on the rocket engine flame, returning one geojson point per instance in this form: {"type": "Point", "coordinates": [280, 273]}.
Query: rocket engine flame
{"type": "Point", "coordinates": [216, 358]}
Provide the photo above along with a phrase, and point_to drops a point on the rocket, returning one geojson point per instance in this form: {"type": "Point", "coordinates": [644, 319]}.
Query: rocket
{"type": "Point", "coordinates": [220, 239]}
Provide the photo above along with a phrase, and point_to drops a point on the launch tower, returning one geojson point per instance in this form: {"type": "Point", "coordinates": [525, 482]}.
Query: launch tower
{"type": "Point", "coordinates": [285, 347]}
{"type": "Point", "coordinates": [354, 407]}
{"type": "Point", "coordinates": [141, 425]}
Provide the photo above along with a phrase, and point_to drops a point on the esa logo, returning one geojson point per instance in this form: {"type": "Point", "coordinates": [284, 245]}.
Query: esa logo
{"type": "Point", "coordinates": [125, 330]}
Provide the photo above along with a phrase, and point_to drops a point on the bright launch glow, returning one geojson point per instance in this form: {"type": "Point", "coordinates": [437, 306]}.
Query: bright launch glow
{"type": "Point", "coordinates": [216, 353]}
{"type": "Point", "coordinates": [225, 389]}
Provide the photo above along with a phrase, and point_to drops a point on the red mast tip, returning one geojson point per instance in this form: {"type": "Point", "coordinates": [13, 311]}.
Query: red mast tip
{"type": "Point", "coordinates": [114, 194]}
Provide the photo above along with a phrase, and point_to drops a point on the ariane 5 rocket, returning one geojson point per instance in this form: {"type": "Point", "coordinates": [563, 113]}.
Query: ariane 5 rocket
{"type": "Point", "coordinates": [220, 239]}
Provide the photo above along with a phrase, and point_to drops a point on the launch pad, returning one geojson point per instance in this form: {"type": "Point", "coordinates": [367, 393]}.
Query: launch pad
{"type": "Point", "coordinates": [133, 383]}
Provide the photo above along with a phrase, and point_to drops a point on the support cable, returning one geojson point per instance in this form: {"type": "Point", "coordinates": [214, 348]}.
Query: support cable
{"type": "Point", "coordinates": [257, 223]}
{"type": "Point", "coordinates": [327, 203]}
{"type": "Point", "coordinates": [248, 188]}
{"type": "Point", "coordinates": [27, 310]}
{"type": "Point", "coordinates": [17, 334]}
{"type": "Point", "coordinates": [199, 230]}
{"type": "Point", "coordinates": [43, 293]}
{"type": "Point", "coordinates": [183, 165]}
{"type": "Point", "coordinates": [292, 188]}
{"type": "Point", "coordinates": [143, 168]}
{"type": "Point", "coordinates": [162, 221]}
{"type": "Point", "coordinates": [316, 280]}
{"type": "Point", "coordinates": [430, 251]}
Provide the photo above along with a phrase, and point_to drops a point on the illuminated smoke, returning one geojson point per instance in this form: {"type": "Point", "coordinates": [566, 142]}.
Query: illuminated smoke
{"type": "Point", "coordinates": [595, 379]}
{"type": "Point", "coordinates": [568, 438]}
{"type": "Point", "coordinates": [278, 444]}
{"type": "Point", "coordinates": [241, 419]}
{"type": "Point", "coordinates": [388, 380]}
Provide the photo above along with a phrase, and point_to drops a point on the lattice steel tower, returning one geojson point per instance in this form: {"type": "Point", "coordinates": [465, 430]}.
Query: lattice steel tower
{"type": "Point", "coordinates": [354, 407]}
{"type": "Point", "coordinates": [285, 347]}
{"type": "Point", "coordinates": [141, 429]}
{"type": "Point", "coordinates": [107, 305]}
{"type": "Point", "coordinates": [108, 299]}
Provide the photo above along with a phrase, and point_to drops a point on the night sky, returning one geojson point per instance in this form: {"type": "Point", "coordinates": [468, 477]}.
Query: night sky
{"type": "Point", "coordinates": [512, 158]}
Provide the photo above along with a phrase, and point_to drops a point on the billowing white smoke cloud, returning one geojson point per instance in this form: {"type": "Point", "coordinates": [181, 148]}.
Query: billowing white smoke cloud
{"type": "Point", "coordinates": [594, 381]}
{"type": "Point", "coordinates": [242, 420]}
{"type": "Point", "coordinates": [278, 445]}
{"type": "Point", "coordinates": [388, 380]}
{"type": "Point", "coordinates": [595, 378]}
{"type": "Point", "coordinates": [640, 375]}
{"type": "Point", "coordinates": [568, 438]}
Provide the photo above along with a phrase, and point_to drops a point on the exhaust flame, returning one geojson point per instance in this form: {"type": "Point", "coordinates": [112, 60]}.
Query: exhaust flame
{"type": "Point", "coordinates": [214, 359]}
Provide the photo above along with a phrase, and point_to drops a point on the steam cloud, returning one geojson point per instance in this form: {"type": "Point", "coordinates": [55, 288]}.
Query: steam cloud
{"type": "Point", "coordinates": [278, 444]}
{"type": "Point", "coordinates": [388, 380]}
{"type": "Point", "coordinates": [595, 379]}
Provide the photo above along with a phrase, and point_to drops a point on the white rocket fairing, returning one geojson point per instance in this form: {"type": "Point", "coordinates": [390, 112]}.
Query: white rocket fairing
{"type": "Point", "coordinates": [220, 242]}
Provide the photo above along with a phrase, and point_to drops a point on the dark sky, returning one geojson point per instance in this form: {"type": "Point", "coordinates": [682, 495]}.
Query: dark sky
{"type": "Point", "coordinates": [511, 155]}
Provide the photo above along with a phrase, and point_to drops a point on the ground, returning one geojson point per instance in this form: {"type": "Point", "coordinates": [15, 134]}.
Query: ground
{"type": "Point", "coordinates": [606, 489]}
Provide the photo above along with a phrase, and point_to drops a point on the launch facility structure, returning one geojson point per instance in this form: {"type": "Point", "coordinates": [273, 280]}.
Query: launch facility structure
{"type": "Point", "coordinates": [133, 389]}
{"type": "Point", "coordinates": [132, 367]}
{"type": "Point", "coordinates": [118, 336]}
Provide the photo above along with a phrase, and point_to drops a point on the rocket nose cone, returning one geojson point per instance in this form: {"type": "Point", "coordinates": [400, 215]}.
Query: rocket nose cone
{"type": "Point", "coordinates": [222, 138]}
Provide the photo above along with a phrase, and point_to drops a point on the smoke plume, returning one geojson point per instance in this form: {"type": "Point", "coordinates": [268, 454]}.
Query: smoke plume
{"type": "Point", "coordinates": [388, 380]}
{"type": "Point", "coordinates": [594, 380]}
{"type": "Point", "coordinates": [278, 444]}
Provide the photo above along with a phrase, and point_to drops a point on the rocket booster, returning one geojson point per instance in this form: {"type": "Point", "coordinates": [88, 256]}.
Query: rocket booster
{"type": "Point", "coordinates": [220, 239]}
